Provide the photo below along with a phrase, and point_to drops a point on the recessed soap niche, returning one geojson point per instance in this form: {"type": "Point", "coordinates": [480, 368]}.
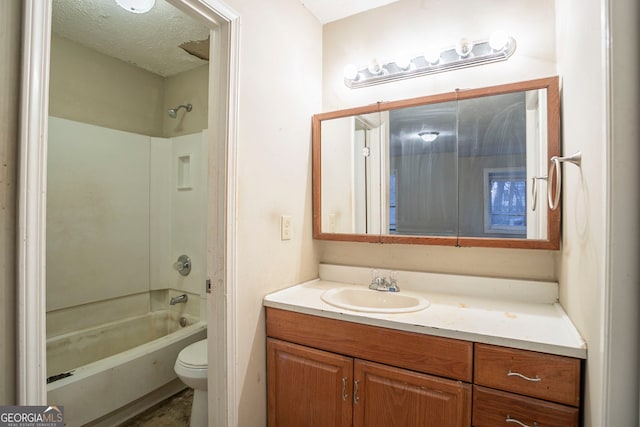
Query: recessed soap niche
{"type": "Point", "coordinates": [184, 172]}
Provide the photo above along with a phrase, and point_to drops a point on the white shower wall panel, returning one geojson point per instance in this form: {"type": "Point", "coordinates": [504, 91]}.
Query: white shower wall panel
{"type": "Point", "coordinates": [160, 250]}
{"type": "Point", "coordinates": [188, 209]}
{"type": "Point", "coordinates": [97, 214]}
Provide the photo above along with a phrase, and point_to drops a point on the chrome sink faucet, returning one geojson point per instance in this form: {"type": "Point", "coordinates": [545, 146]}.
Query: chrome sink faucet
{"type": "Point", "coordinates": [381, 283]}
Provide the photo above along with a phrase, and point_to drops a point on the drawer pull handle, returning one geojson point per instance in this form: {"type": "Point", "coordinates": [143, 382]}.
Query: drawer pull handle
{"type": "Point", "coordinates": [345, 396]}
{"type": "Point", "coordinates": [524, 377]}
{"type": "Point", "coordinates": [356, 389]}
{"type": "Point", "coordinates": [513, 420]}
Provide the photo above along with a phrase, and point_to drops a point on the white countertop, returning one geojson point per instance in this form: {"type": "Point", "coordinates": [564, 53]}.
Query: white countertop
{"type": "Point", "coordinates": [481, 317]}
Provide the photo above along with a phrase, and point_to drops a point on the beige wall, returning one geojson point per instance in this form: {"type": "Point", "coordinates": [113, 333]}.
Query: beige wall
{"type": "Point", "coordinates": [599, 259]}
{"type": "Point", "coordinates": [280, 89]}
{"type": "Point", "coordinates": [90, 87]}
{"type": "Point", "coordinates": [414, 26]}
{"type": "Point", "coordinates": [582, 265]}
{"type": "Point", "coordinates": [399, 28]}
{"type": "Point", "coordinates": [623, 379]}
{"type": "Point", "coordinates": [189, 87]}
{"type": "Point", "coordinates": [93, 88]}
{"type": "Point", "coordinates": [10, 16]}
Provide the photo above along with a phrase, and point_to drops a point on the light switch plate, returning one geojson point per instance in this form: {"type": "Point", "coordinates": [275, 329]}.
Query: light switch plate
{"type": "Point", "coordinates": [285, 227]}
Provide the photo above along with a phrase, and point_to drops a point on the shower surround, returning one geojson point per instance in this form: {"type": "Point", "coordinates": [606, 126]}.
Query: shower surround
{"type": "Point", "coordinates": [121, 208]}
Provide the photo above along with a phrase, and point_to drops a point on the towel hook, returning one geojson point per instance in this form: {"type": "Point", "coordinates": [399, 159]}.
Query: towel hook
{"type": "Point", "coordinates": [554, 168]}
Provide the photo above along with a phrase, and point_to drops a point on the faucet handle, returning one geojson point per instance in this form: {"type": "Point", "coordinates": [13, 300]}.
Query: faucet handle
{"type": "Point", "coordinates": [393, 281]}
{"type": "Point", "coordinates": [375, 277]}
{"type": "Point", "coordinates": [376, 281]}
{"type": "Point", "coordinates": [183, 265]}
{"type": "Point", "coordinates": [393, 276]}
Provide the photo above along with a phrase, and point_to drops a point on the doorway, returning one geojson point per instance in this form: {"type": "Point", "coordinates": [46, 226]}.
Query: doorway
{"type": "Point", "coordinates": [32, 195]}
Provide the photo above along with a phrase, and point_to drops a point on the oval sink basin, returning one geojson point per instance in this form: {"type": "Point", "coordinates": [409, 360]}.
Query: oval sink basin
{"type": "Point", "coordinates": [370, 301]}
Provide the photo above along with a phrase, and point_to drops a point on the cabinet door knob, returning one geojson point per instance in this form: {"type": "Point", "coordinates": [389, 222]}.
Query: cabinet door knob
{"type": "Point", "coordinates": [356, 389]}
{"type": "Point", "coordinates": [524, 377]}
{"type": "Point", "coordinates": [345, 396]}
{"type": "Point", "coordinates": [513, 420]}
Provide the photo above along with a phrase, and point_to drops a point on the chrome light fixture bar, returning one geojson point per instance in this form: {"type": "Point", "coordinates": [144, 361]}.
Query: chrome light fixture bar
{"type": "Point", "coordinates": [465, 54]}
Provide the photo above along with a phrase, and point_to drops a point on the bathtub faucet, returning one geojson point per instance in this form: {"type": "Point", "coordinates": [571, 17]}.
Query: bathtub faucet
{"type": "Point", "coordinates": [178, 299]}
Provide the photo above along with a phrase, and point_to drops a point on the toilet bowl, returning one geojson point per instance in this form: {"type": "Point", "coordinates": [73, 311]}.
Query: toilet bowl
{"type": "Point", "coordinates": [191, 367]}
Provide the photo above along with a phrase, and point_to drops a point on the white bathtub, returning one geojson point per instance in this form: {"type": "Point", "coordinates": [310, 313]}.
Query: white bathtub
{"type": "Point", "coordinates": [115, 364]}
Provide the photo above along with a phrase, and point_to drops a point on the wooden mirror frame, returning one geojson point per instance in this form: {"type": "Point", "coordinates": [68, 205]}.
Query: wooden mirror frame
{"type": "Point", "coordinates": [553, 149]}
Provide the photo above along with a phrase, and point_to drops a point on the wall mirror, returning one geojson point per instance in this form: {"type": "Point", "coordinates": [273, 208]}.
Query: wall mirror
{"type": "Point", "coordinates": [466, 168]}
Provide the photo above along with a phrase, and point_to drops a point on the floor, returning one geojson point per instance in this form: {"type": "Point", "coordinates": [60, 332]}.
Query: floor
{"type": "Point", "coordinates": [172, 412]}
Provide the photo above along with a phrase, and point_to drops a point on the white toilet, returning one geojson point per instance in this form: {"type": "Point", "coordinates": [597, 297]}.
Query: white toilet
{"type": "Point", "coordinates": [191, 368]}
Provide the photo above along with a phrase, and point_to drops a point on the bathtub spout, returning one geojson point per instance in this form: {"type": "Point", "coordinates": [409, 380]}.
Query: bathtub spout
{"type": "Point", "coordinates": [178, 299]}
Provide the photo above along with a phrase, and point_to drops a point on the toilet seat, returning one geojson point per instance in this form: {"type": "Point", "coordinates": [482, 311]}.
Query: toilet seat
{"type": "Point", "coordinates": [192, 363]}
{"type": "Point", "coordinates": [194, 356]}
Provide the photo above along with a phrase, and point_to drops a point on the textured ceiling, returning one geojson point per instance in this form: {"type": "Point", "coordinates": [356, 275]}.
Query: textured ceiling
{"type": "Point", "coordinates": [150, 41]}
{"type": "Point", "coordinates": [332, 10]}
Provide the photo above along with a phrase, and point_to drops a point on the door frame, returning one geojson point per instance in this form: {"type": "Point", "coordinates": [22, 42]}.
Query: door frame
{"type": "Point", "coordinates": [221, 226]}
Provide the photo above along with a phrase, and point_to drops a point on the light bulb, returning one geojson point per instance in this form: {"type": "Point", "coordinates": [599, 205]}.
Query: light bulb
{"type": "Point", "coordinates": [433, 56]}
{"type": "Point", "coordinates": [404, 62]}
{"type": "Point", "coordinates": [350, 72]}
{"type": "Point", "coordinates": [464, 47]}
{"type": "Point", "coordinates": [375, 67]}
{"type": "Point", "coordinates": [136, 6]}
{"type": "Point", "coordinates": [498, 40]}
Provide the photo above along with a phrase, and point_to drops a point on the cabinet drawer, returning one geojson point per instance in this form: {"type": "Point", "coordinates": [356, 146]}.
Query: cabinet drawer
{"type": "Point", "coordinates": [445, 357]}
{"type": "Point", "coordinates": [545, 376]}
{"type": "Point", "coordinates": [493, 408]}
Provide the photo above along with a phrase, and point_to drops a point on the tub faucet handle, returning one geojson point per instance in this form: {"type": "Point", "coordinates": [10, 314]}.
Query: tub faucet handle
{"type": "Point", "coordinates": [183, 265]}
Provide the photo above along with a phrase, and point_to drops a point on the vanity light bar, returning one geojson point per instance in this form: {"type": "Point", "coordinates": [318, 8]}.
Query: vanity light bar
{"type": "Point", "coordinates": [465, 54]}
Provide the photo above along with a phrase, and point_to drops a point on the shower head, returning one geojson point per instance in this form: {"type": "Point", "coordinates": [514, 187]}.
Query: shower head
{"type": "Point", "coordinates": [173, 112]}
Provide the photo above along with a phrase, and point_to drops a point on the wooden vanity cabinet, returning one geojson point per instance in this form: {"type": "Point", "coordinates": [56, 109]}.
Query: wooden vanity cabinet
{"type": "Point", "coordinates": [335, 386]}
{"type": "Point", "coordinates": [324, 372]}
{"type": "Point", "coordinates": [314, 388]}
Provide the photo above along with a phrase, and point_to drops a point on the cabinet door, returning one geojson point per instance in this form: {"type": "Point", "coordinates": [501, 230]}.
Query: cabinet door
{"type": "Point", "coordinates": [393, 397]}
{"type": "Point", "coordinates": [307, 387]}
